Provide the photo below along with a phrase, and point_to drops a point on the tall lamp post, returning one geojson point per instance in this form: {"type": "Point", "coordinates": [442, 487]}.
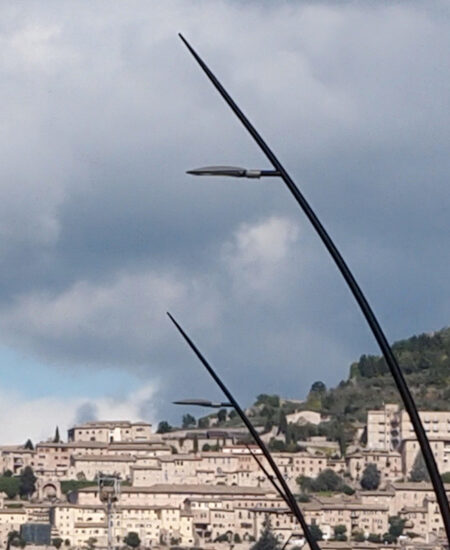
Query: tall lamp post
{"type": "Point", "coordinates": [360, 298]}
{"type": "Point", "coordinates": [292, 503]}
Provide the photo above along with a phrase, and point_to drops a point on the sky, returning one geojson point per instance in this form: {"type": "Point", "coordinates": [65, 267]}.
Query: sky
{"type": "Point", "coordinates": [101, 231]}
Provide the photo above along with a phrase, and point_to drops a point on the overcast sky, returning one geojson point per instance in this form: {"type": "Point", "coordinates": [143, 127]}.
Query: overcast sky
{"type": "Point", "coordinates": [101, 232]}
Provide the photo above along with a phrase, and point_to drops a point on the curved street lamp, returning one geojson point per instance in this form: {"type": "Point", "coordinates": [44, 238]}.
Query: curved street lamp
{"type": "Point", "coordinates": [366, 310]}
{"type": "Point", "coordinates": [290, 499]}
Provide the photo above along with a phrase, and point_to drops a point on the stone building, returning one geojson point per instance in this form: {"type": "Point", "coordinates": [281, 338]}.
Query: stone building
{"type": "Point", "coordinates": [111, 431]}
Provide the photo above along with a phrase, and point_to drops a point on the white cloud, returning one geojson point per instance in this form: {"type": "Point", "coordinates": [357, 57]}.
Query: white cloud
{"type": "Point", "coordinates": [258, 257]}
{"type": "Point", "coordinates": [119, 321]}
{"type": "Point", "coordinates": [37, 418]}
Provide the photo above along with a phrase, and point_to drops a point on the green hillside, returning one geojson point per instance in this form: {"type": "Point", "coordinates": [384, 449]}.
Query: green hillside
{"type": "Point", "coordinates": [424, 360]}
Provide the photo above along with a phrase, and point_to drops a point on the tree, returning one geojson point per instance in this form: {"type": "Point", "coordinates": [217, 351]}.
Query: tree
{"type": "Point", "coordinates": [224, 537]}
{"type": "Point", "coordinates": [132, 540]}
{"type": "Point", "coordinates": [163, 427]}
{"type": "Point", "coordinates": [203, 423]}
{"type": "Point", "coordinates": [268, 412]}
{"type": "Point", "coordinates": [237, 538]}
{"type": "Point", "coordinates": [318, 387]}
{"type": "Point", "coordinates": [27, 485]}
{"type": "Point", "coordinates": [396, 526]}
{"type": "Point", "coordinates": [301, 432]}
{"type": "Point", "coordinates": [10, 486]}
{"type": "Point", "coordinates": [370, 479]}
{"type": "Point", "coordinates": [271, 400]}
{"type": "Point", "coordinates": [348, 490]}
{"type": "Point", "coordinates": [277, 445]}
{"type": "Point", "coordinates": [188, 421]}
{"type": "Point", "coordinates": [339, 532]}
{"type": "Point", "coordinates": [304, 482]}
{"type": "Point", "coordinates": [316, 532]}
{"type": "Point", "coordinates": [419, 471]}
{"type": "Point", "coordinates": [14, 539]}
{"type": "Point", "coordinates": [268, 425]}
{"type": "Point", "coordinates": [91, 542]}
{"type": "Point", "coordinates": [328, 480]}
{"type": "Point", "coordinates": [57, 542]}
{"type": "Point", "coordinates": [389, 539]}
{"type": "Point", "coordinates": [267, 540]}
{"type": "Point", "coordinates": [29, 445]}
{"type": "Point", "coordinates": [56, 438]}
{"type": "Point", "coordinates": [282, 424]}
{"type": "Point", "coordinates": [222, 415]}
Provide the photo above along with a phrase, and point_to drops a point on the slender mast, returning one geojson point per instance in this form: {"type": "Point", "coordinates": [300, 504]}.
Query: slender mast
{"type": "Point", "coordinates": [285, 488]}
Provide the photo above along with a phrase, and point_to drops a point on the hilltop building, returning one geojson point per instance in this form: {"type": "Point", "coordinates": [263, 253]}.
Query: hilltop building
{"type": "Point", "coordinates": [111, 431]}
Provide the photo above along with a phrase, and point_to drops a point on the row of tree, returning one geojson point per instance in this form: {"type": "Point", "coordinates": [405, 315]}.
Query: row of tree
{"type": "Point", "coordinates": [23, 485]}
{"type": "Point", "coordinates": [269, 541]}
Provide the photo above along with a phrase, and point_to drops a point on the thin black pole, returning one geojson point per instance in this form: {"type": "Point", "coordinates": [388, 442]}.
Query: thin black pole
{"type": "Point", "coordinates": [366, 310]}
{"type": "Point", "coordinates": [290, 497]}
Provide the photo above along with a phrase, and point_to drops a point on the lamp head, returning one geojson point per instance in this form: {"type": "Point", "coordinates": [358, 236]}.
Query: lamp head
{"type": "Point", "coordinates": [231, 171]}
{"type": "Point", "coordinates": [202, 403]}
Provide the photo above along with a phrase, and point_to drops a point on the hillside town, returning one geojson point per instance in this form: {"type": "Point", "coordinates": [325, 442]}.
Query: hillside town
{"type": "Point", "coordinates": [116, 483]}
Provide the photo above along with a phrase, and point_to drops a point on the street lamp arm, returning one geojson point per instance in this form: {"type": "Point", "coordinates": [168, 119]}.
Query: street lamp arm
{"type": "Point", "coordinates": [290, 497]}
{"type": "Point", "coordinates": [366, 310]}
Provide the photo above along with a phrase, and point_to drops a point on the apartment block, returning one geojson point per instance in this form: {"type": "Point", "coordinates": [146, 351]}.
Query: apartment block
{"type": "Point", "coordinates": [388, 427]}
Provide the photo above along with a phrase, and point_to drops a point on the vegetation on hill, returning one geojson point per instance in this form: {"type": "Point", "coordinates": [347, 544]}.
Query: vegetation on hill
{"type": "Point", "coordinates": [23, 484]}
{"type": "Point", "coordinates": [326, 481]}
{"type": "Point", "coordinates": [424, 359]}
{"type": "Point", "coordinates": [71, 485]}
{"type": "Point", "coordinates": [9, 485]}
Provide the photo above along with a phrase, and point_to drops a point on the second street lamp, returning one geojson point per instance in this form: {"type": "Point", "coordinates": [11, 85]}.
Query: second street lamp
{"type": "Point", "coordinates": [289, 497]}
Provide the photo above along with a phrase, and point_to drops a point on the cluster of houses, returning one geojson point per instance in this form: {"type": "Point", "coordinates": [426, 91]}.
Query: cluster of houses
{"type": "Point", "coordinates": [172, 492]}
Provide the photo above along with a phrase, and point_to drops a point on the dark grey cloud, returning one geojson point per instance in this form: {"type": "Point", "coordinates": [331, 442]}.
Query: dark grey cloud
{"type": "Point", "coordinates": [102, 232]}
{"type": "Point", "coordinates": [87, 412]}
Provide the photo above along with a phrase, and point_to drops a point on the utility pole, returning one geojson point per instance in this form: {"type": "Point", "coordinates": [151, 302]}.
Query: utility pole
{"type": "Point", "coordinates": [109, 492]}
